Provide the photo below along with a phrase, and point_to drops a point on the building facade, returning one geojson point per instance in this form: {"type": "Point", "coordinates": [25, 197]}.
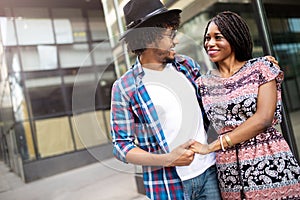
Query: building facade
{"type": "Point", "coordinates": [60, 58]}
{"type": "Point", "coordinates": [53, 52]}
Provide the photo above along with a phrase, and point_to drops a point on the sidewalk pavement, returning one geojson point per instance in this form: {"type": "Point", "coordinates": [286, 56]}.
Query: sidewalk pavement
{"type": "Point", "coordinates": [105, 180]}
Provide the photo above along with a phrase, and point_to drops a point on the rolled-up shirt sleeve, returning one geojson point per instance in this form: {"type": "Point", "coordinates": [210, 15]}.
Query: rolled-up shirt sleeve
{"type": "Point", "coordinates": [122, 122]}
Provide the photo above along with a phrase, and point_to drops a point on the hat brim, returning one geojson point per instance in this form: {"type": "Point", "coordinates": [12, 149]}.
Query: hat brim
{"type": "Point", "coordinates": [146, 19]}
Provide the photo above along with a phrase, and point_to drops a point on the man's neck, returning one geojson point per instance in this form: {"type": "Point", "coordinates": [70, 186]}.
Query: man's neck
{"type": "Point", "coordinates": [153, 66]}
{"type": "Point", "coordinates": [149, 63]}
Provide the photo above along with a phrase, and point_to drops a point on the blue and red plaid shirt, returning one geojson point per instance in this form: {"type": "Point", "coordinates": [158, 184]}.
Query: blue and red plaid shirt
{"type": "Point", "coordinates": [134, 122]}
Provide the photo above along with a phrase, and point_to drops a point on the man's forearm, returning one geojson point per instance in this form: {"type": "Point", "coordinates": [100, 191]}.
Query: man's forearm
{"type": "Point", "coordinates": [140, 157]}
{"type": "Point", "coordinates": [180, 156]}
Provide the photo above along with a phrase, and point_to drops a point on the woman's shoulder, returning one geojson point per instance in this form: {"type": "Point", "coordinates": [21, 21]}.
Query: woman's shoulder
{"type": "Point", "coordinates": [259, 60]}
{"type": "Point", "coordinates": [265, 68]}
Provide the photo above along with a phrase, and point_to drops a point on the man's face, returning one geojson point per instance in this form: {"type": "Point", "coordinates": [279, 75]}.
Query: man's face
{"type": "Point", "coordinates": [164, 48]}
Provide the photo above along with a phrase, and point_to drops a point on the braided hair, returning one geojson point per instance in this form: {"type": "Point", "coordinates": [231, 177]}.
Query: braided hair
{"type": "Point", "coordinates": [236, 32]}
{"type": "Point", "coordinates": [151, 31]}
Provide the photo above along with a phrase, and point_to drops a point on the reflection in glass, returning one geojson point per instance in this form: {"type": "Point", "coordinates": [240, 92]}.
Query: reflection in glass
{"type": "Point", "coordinates": [77, 21]}
{"type": "Point", "coordinates": [38, 58]}
{"type": "Point", "coordinates": [12, 59]}
{"type": "Point", "coordinates": [115, 31]}
{"type": "Point", "coordinates": [6, 109]}
{"type": "Point", "coordinates": [8, 31]}
{"type": "Point", "coordinates": [102, 53]}
{"type": "Point", "coordinates": [53, 136]}
{"type": "Point", "coordinates": [97, 133]}
{"type": "Point", "coordinates": [80, 78]}
{"type": "Point", "coordinates": [46, 96]}
{"type": "Point", "coordinates": [82, 87]}
{"type": "Point", "coordinates": [76, 55]}
{"type": "Point", "coordinates": [63, 31]}
{"type": "Point", "coordinates": [34, 26]}
{"type": "Point", "coordinates": [18, 100]}
{"type": "Point", "coordinates": [47, 56]}
{"type": "Point", "coordinates": [43, 82]}
{"type": "Point", "coordinates": [24, 141]}
{"type": "Point", "coordinates": [34, 31]}
{"type": "Point", "coordinates": [97, 25]}
{"type": "Point", "coordinates": [294, 24]}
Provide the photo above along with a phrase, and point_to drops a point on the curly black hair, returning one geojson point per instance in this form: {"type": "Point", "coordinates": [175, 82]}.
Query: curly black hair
{"type": "Point", "coordinates": [236, 31]}
{"type": "Point", "coordinates": [150, 31]}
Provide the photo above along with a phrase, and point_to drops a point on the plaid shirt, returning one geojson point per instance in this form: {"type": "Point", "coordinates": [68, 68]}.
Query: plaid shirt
{"type": "Point", "coordinates": [134, 122]}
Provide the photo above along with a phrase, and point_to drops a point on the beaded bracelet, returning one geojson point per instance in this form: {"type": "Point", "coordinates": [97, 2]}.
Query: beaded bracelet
{"type": "Point", "coordinates": [221, 141]}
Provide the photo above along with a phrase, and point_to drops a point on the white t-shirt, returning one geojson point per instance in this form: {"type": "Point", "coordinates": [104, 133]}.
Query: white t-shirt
{"type": "Point", "coordinates": [179, 113]}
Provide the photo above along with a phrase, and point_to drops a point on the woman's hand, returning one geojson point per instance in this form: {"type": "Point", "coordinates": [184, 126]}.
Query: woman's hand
{"type": "Point", "coordinates": [200, 148]}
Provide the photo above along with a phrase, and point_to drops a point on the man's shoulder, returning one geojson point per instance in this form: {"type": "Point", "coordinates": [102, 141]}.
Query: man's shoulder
{"type": "Point", "coordinates": [183, 58]}
{"type": "Point", "coordinates": [125, 83]}
{"type": "Point", "coordinates": [126, 78]}
{"type": "Point", "coordinates": [187, 61]}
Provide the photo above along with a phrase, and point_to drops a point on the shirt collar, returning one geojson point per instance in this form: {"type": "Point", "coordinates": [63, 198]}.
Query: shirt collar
{"type": "Point", "coordinates": [138, 70]}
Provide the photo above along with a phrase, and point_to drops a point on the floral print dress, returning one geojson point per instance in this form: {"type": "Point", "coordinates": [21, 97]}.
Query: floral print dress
{"type": "Point", "coordinates": [262, 167]}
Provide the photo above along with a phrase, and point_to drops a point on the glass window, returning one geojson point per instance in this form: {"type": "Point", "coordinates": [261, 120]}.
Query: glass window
{"type": "Point", "coordinates": [33, 26]}
{"type": "Point", "coordinates": [46, 96]}
{"type": "Point", "coordinates": [116, 32]}
{"type": "Point", "coordinates": [43, 82]}
{"type": "Point", "coordinates": [12, 59]}
{"type": "Point", "coordinates": [24, 140]}
{"type": "Point", "coordinates": [8, 31]}
{"type": "Point", "coordinates": [80, 79]}
{"type": "Point", "coordinates": [105, 82]}
{"type": "Point", "coordinates": [97, 25]}
{"type": "Point", "coordinates": [80, 91]}
{"type": "Point", "coordinates": [277, 25]}
{"type": "Point", "coordinates": [104, 94]}
{"type": "Point", "coordinates": [97, 133]}
{"type": "Point", "coordinates": [63, 31]}
{"type": "Point", "coordinates": [102, 53]}
{"type": "Point", "coordinates": [53, 136]}
{"type": "Point", "coordinates": [76, 55]}
{"type": "Point", "coordinates": [40, 57]}
{"type": "Point", "coordinates": [6, 109]}
{"type": "Point", "coordinates": [82, 96]}
{"type": "Point", "coordinates": [122, 67]}
{"type": "Point", "coordinates": [110, 5]}
{"type": "Point", "coordinates": [73, 17]}
{"type": "Point", "coordinates": [18, 100]}
{"type": "Point", "coordinates": [294, 24]}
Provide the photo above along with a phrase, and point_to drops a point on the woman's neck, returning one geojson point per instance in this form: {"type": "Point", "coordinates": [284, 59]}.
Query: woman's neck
{"type": "Point", "coordinates": [228, 68]}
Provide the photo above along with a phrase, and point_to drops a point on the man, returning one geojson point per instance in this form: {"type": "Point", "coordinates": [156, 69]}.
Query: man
{"type": "Point", "coordinates": [150, 106]}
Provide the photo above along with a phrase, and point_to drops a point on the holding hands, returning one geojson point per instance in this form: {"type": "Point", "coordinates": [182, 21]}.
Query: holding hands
{"type": "Point", "coordinates": [199, 148]}
{"type": "Point", "coordinates": [181, 155]}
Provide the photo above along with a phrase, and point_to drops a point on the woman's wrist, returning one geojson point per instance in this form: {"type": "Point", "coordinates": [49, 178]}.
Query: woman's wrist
{"type": "Point", "coordinates": [210, 148]}
{"type": "Point", "coordinates": [214, 146]}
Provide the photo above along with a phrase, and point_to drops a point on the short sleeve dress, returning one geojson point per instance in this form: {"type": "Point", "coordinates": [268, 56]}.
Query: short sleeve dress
{"type": "Point", "coordinates": [262, 167]}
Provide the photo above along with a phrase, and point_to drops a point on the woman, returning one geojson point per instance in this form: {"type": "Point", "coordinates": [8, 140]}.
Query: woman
{"type": "Point", "coordinates": [242, 98]}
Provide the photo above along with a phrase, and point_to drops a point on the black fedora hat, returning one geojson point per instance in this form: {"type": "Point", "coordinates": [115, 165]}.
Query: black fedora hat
{"type": "Point", "coordinates": [137, 12]}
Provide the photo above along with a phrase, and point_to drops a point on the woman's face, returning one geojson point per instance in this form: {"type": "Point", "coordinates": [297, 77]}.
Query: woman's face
{"type": "Point", "coordinates": [216, 46]}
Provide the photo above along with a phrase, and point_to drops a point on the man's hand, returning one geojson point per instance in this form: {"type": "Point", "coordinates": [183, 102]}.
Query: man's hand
{"type": "Point", "coordinates": [200, 148]}
{"type": "Point", "coordinates": [181, 155]}
{"type": "Point", "coordinates": [272, 59]}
